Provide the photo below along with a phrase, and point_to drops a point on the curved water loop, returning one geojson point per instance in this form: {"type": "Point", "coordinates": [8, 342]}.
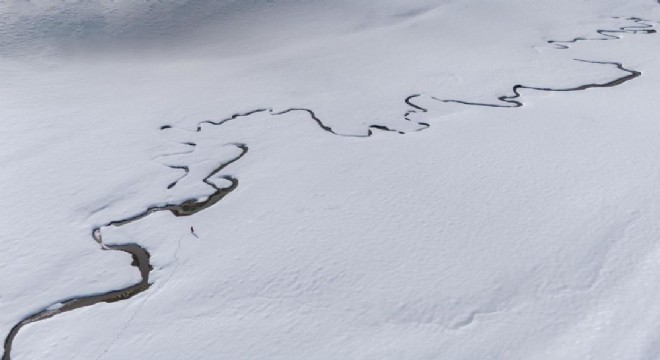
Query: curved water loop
{"type": "Point", "coordinates": [511, 100]}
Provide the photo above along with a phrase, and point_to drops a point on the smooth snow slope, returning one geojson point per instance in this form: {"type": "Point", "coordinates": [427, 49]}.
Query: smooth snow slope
{"type": "Point", "coordinates": [493, 233]}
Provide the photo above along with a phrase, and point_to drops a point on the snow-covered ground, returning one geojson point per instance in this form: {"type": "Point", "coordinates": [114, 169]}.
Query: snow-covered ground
{"type": "Point", "coordinates": [465, 232]}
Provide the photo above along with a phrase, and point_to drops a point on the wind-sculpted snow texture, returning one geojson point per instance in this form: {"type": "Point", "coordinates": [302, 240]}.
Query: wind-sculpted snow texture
{"type": "Point", "coordinates": [358, 254]}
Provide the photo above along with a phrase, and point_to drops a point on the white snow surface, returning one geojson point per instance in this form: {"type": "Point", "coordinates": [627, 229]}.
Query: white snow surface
{"type": "Point", "coordinates": [493, 233]}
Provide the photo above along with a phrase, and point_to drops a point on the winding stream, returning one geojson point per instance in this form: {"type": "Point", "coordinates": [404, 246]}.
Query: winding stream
{"type": "Point", "coordinates": [642, 27]}
{"type": "Point", "coordinates": [141, 257]}
{"type": "Point", "coordinates": [140, 260]}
